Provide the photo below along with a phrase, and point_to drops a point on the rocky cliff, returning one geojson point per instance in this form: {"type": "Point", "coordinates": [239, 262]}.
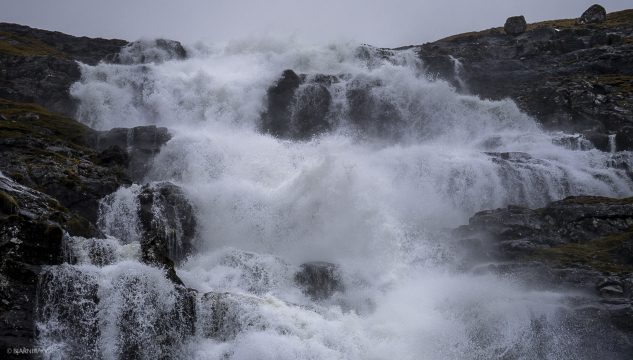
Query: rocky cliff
{"type": "Point", "coordinates": [571, 76]}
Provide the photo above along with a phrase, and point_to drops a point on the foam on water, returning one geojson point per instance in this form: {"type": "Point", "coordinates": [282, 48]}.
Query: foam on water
{"type": "Point", "coordinates": [373, 204]}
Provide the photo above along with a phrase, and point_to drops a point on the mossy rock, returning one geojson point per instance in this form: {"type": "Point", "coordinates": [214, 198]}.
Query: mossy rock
{"type": "Point", "coordinates": [598, 254]}
{"type": "Point", "coordinates": [14, 45]}
{"type": "Point", "coordinates": [64, 128]}
{"type": "Point", "coordinates": [79, 226]}
{"type": "Point", "coordinates": [18, 178]}
{"type": "Point", "coordinates": [53, 204]}
{"type": "Point", "coordinates": [8, 204]}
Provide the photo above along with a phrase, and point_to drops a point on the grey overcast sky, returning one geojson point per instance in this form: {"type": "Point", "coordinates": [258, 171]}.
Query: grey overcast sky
{"type": "Point", "coordinates": [383, 23]}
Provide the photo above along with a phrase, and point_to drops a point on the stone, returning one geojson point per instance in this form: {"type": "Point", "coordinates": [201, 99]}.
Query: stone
{"type": "Point", "coordinates": [319, 280]}
{"type": "Point", "coordinates": [167, 221]}
{"type": "Point", "coordinates": [278, 116]}
{"type": "Point", "coordinates": [309, 115]}
{"type": "Point", "coordinates": [515, 25]}
{"type": "Point", "coordinates": [626, 252]}
{"type": "Point", "coordinates": [516, 249]}
{"type": "Point", "coordinates": [26, 246]}
{"type": "Point", "coordinates": [624, 139]}
{"type": "Point", "coordinates": [114, 155]}
{"type": "Point", "coordinates": [596, 14]}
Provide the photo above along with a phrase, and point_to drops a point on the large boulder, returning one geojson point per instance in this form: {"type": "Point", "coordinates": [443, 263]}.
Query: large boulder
{"type": "Point", "coordinates": [515, 25]}
{"type": "Point", "coordinates": [319, 280]}
{"type": "Point", "coordinates": [624, 139]}
{"type": "Point", "coordinates": [596, 14]}
{"type": "Point", "coordinates": [141, 143]}
{"type": "Point", "coordinates": [298, 106]}
{"type": "Point", "coordinates": [167, 220]}
{"type": "Point", "coordinates": [277, 119]}
{"type": "Point", "coordinates": [516, 232]}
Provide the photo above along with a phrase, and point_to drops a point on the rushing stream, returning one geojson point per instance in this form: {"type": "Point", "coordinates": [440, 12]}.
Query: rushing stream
{"type": "Point", "coordinates": [374, 201]}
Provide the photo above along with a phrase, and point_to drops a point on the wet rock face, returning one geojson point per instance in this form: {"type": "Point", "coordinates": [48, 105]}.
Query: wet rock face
{"type": "Point", "coordinates": [87, 50]}
{"type": "Point", "coordinates": [596, 14]}
{"type": "Point", "coordinates": [298, 110]}
{"type": "Point", "coordinates": [167, 220]}
{"type": "Point", "coordinates": [26, 246]}
{"type": "Point", "coordinates": [147, 51]}
{"type": "Point", "coordinates": [572, 80]}
{"type": "Point", "coordinates": [44, 80]}
{"type": "Point", "coordinates": [319, 280]}
{"type": "Point", "coordinates": [141, 320]}
{"type": "Point", "coordinates": [515, 232]}
{"type": "Point", "coordinates": [141, 144]}
{"type": "Point", "coordinates": [515, 25]}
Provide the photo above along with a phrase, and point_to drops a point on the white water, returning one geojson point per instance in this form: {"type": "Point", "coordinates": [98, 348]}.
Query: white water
{"type": "Point", "coordinates": [370, 203]}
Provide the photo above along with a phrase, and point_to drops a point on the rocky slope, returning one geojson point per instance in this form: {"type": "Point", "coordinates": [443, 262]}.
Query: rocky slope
{"type": "Point", "coordinates": [56, 171]}
{"type": "Point", "coordinates": [570, 77]}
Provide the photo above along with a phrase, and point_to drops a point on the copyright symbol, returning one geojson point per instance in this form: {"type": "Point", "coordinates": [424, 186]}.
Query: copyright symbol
{"type": "Point", "coordinates": [8, 351]}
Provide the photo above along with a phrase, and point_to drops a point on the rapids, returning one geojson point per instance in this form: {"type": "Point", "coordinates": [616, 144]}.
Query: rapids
{"type": "Point", "coordinates": [377, 204]}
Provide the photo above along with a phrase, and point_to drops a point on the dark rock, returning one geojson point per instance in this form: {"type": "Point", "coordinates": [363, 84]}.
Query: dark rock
{"type": "Point", "coordinates": [84, 49]}
{"type": "Point", "coordinates": [319, 280]}
{"type": "Point", "coordinates": [626, 251]}
{"type": "Point", "coordinates": [309, 116]}
{"type": "Point", "coordinates": [599, 141]}
{"type": "Point", "coordinates": [516, 249]}
{"type": "Point", "coordinates": [298, 106]}
{"type": "Point", "coordinates": [624, 139]}
{"type": "Point", "coordinates": [143, 143]}
{"type": "Point", "coordinates": [44, 80]}
{"type": "Point", "coordinates": [627, 285]}
{"type": "Point", "coordinates": [168, 220]}
{"type": "Point", "coordinates": [277, 119]}
{"type": "Point", "coordinates": [596, 14]}
{"type": "Point", "coordinates": [114, 155]}
{"type": "Point", "coordinates": [26, 246]}
{"type": "Point", "coordinates": [148, 51]}
{"type": "Point", "coordinates": [155, 252]}
{"type": "Point", "coordinates": [519, 231]}
{"type": "Point", "coordinates": [222, 315]}
{"type": "Point", "coordinates": [515, 25]}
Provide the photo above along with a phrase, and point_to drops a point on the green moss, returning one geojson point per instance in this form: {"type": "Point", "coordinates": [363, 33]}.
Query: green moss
{"type": "Point", "coordinates": [53, 204]}
{"type": "Point", "coordinates": [67, 129]}
{"type": "Point", "coordinates": [621, 82]}
{"type": "Point", "coordinates": [70, 179]}
{"type": "Point", "coordinates": [38, 153]}
{"type": "Point", "coordinates": [596, 254]}
{"type": "Point", "coordinates": [79, 226]}
{"type": "Point", "coordinates": [54, 234]}
{"type": "Point", "coordinates": [8, 204]}
{"type": "Point", "coordinates": [18, 177]}
{"type": "Point", "coordinates": [19, 46]}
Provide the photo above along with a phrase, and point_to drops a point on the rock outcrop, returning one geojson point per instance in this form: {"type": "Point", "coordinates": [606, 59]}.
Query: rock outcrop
{"type": "Point", "coordinates": [570, 77]}
{"type": "Point", "coordinates": [297, 109]}
{"type": "Point", "coordinates": [515, 25]}
{"type": "Point", "coordinates": [319, 280]}
{"type": "Point", "coordinates": [596, 14]}
{"type": "Point", "coordinates": [141, 143]}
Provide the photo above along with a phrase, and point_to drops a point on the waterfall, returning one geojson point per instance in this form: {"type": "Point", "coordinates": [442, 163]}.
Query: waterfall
{"type": "Point", "coordinates": [400, 158]}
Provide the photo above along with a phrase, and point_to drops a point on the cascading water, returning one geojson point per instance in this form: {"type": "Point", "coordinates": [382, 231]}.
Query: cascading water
{"type": "Point", "coordinates": [404, 158]}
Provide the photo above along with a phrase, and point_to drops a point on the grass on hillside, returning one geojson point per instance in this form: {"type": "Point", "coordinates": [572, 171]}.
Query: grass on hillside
{"type": "Point", "coordinates": [63, 127]}
{"type": "Point", "coordinates": [614, 19]}
{"type": "Point", "coordinates": [14, 45]}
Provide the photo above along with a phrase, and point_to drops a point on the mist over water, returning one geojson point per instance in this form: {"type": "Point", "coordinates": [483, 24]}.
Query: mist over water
{"type": "Point", "coordinates": [373, 202]}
